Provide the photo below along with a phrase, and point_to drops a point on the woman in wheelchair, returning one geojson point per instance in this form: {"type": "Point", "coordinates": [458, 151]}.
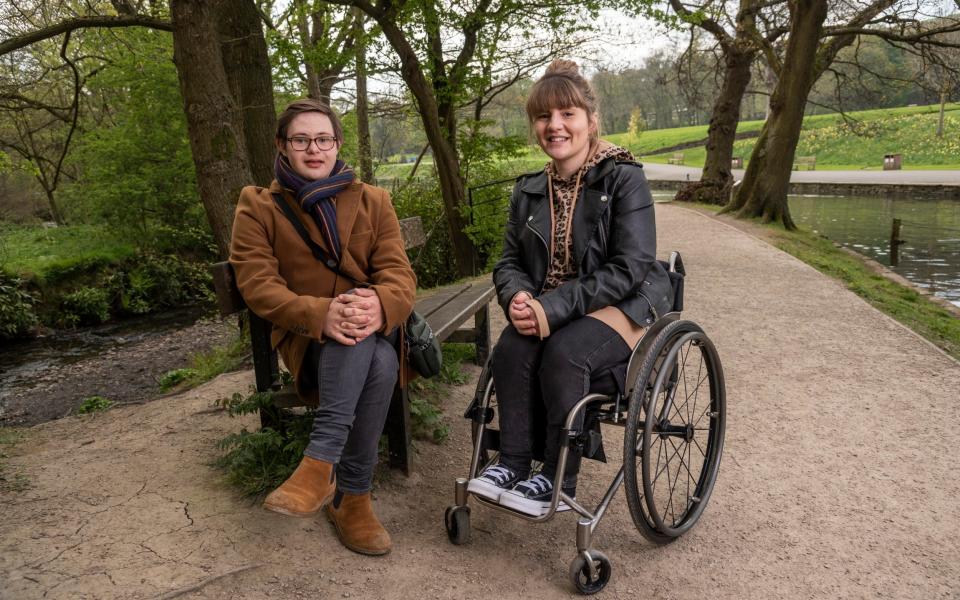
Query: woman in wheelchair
{"type": "Point", "coordinates": [578, 281]}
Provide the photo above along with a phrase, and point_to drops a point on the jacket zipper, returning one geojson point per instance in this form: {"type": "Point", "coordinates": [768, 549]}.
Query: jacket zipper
{"type": "Point", "coordinates": [546, 247]}
{"type": "Point", "coordinates": [603, 239]}
{"type": "Point", "coordinates": [653, 308]}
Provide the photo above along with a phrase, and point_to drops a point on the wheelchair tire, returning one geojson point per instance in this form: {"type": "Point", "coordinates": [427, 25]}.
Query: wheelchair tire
{"type": "Point", "coordinates": [456, 519]}
{"type": "Point", "coordinates": [673, 438]}
{"type": "Point", "coordinates": [479, 395]}
{"type": "Point", "coordinates": [580, 573]}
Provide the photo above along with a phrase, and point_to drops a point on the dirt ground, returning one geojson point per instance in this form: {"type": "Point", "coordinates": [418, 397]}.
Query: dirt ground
{"type": "Point", "coordinates": [838, 477]}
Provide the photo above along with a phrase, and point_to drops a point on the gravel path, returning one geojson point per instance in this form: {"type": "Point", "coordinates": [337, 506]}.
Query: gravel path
{"type": "Point", "coordinates": [838, 477]}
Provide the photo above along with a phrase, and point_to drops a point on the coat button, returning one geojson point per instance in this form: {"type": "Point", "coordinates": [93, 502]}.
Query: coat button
{"type": "Point", "coordinates": [603, 198]}
{"type": "Point", "coordinates": [530, 218]}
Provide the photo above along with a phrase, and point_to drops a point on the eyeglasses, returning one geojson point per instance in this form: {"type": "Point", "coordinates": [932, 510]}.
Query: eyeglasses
{"type": "Point", "coordinates": [301, 143]}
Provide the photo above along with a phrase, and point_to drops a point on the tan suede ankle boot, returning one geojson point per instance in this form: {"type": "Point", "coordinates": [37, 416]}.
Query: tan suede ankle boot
{"type": "Point", "coordinates": [306, 491]}
{"type": "Point", "coordinates": [357, 525]}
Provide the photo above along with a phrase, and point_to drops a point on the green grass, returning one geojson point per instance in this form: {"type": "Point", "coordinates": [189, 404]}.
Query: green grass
{"type": "Point", "coordinates": [94, 404]}
{"type": "Point", "coordinates": [904, 304]}
{"type": "Point", "coordinates": [32, 250]}
{"type": "Point", "coordinates": [908, 130]}
{"type": "Point", "coordinates": [204, 366]}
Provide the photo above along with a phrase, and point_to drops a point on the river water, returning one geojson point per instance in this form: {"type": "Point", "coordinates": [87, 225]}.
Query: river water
{"type": "Point", "coordinates": [930, 255]}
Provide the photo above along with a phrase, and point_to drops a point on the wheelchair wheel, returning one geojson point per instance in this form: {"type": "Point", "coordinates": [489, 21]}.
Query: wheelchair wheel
{"type": "Point", "coordinates": [485, 386]}
{"type": "Point", "coordinates": [456, 519]}
{"type": "Point", "coordinates": [673, 437]}
{"type": "Point", "coordinates": [581, 577]}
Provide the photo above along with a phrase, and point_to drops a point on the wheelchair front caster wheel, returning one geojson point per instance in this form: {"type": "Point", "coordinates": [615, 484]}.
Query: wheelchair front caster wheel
{"type": "Point", "coordinates": [588, 582]}
{"type": "Point", "coordinates": [457, 521]}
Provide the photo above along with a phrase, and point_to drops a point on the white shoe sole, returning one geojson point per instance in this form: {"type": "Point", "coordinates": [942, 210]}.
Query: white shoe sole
{"type": "Point", "coordinates": [484, 489]}
{"type": "Point", "coordinates": [534, 508]}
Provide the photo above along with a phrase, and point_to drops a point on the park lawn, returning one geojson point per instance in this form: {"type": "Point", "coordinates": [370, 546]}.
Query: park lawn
{"type": "Point", "coordinates": [36, 251]}
{"type": "Point", "coordinates": [838, 148]}
{"type": "Point", "coordinates": [908, 130]}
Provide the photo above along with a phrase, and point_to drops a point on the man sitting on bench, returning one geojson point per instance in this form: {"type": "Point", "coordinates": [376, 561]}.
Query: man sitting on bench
{"type": "Point", "coordinates": [298, 249]}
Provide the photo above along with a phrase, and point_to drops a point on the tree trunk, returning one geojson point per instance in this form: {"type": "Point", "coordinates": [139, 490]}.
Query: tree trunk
{"type": "Point", "coordinates": [363, 119]}
{"type": "Point", "coordinates": [763, 192]}
{"type": "Point", "coordinates": [214, 120]}
{"type": "Point", "coordinates": [55, 213]}
{"type": "Point", "coordinates": [306, 41]}
{"type": "Point", "coordinates": [446, 161]}
{"type": "Point", "coordinates": [716, 181]}
{"type": "Point", "coordinates": [247, 67]}
{"type": "Point", "coordinates": [943, 106]}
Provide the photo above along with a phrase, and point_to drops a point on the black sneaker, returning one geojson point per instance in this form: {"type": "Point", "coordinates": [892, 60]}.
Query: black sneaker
{"type": "Point", "coordinates": [532, 497]}
{"type": "Point", "coordinates": [493, 481]}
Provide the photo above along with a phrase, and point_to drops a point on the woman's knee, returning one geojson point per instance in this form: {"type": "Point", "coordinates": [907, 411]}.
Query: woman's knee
{"type": "Point", "coordinates": [512, 347]}
{"type": "Point", "coordinates": [384, 365]}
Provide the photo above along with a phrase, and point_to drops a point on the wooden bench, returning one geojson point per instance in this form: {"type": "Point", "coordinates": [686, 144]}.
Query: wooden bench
{"type": "Point", "coordinates": [445, 309]}
{"type": "Point", "coordinates": [676, 159]}
{"type": "Point", "coordinates": [810, 162]}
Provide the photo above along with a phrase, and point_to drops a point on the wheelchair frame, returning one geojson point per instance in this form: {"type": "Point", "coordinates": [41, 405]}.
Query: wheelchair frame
{"type": "Point", "coordinates": [590, 570]}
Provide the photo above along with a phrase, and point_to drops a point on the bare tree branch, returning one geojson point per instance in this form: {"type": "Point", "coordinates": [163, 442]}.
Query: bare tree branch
{"type": "Point", "coordinates": [69, 25]}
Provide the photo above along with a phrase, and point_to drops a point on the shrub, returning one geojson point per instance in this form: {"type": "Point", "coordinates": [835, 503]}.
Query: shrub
{"type": "Point", "coordinates": [94, 404]}
{"type": "Point", "coordinates": [172, 379]}
{"type": "Point", "coordinates": [85, 306]}
{"type": "Point", "coordinates": [16, 308]}
{"type": "Point", "coordinates": [257, 461]}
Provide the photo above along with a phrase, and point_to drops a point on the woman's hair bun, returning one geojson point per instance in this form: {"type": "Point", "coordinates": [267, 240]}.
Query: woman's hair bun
{"type": "Point", "coordinates": [562, 66]}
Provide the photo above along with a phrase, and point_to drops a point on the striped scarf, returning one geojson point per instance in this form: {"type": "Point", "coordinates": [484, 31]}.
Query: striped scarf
{"type": "Point", "coordinates": [316, 196]}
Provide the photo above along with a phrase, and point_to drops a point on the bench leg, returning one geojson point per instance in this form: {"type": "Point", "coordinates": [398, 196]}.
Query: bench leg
{"type": "Point", "coordinates": [397, 429]}
{"type": "Point", "coordinates": [481, 324]}
{"type": "Point", "coordinates": [266, 369]}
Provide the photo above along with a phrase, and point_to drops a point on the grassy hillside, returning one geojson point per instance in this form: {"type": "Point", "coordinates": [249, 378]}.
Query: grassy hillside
{"type": "Point", "coordinates": [837, 145]}
{"type": "Point", "coordinates": [908, 130]}
{"type": "Point", "coordinates": [39, 252]}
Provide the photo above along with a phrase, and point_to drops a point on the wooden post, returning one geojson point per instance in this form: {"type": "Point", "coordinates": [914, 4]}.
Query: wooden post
{"type": "Point", "coordinates": [895, 242]}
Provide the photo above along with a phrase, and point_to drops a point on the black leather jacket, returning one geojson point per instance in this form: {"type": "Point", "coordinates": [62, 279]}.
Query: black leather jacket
{"type": "Point", "coordinates": [614, 246]}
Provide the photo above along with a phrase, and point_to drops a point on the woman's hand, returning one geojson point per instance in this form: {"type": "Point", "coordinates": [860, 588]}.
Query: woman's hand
{"type": "Point", "coordinates": [521, 315]}
{"type": "Point", "coordinates": [334, 324]}
{"type": "Point", "coordinates": [362, 313]}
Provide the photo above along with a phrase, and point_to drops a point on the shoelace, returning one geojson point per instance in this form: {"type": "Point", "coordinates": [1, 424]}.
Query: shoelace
{"type": "Point", "coordinates": [498, 474]}
{"type": "Point", "coordinates": [539, 484]}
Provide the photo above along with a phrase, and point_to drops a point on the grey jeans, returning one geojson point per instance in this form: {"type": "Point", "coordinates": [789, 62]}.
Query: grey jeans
{"type": "Point", "coordinates": [356, 385]}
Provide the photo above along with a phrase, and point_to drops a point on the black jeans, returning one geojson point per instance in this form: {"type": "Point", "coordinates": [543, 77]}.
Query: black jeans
{"type": "Point", "coordinates": [548, 376]}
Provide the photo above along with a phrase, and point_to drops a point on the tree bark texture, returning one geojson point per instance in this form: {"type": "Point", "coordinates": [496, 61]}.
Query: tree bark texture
{"type": "Point", "coordinates": [247, 67]}
{"type": "Point", "coordinates": [716, 181]}
{"type": "Point", "coordinates": [363, 119]}
{"type": "Point", "coordinates": [763, 192]}
{"type": "Point", "coordinates": [214, 119]}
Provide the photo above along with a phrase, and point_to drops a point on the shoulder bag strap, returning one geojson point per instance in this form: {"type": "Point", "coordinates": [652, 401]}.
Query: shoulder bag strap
{"type": "Point", "coordinates": [315, 248]}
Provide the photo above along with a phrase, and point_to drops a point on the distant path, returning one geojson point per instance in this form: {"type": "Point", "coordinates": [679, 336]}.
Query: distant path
{"type": "Point", "coordinates": [660, 172]}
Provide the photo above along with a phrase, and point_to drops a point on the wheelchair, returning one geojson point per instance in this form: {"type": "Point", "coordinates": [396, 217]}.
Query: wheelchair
{"type": "Point", "coordinates": [671, 402]}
